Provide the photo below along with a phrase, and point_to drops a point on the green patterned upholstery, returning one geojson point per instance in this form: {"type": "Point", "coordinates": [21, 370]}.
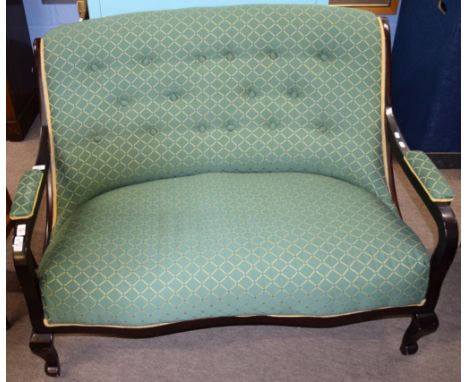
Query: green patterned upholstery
{"type": "Point", "coordinates": [26, 195]}
{"type": "Point", "coordinates": [264, 88]}
{"type": "Point", "coordinates": [230, 244]}
{"type": "Point", "coordinates": [221, 161]}
{"type": "Point", "coordinates": [433, 182]}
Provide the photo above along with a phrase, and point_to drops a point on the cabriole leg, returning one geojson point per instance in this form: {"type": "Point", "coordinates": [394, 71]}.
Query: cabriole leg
{"type": "Point", "coordinates": [42, 344]}
{"type": "Point", "coordinates": [421, 325]}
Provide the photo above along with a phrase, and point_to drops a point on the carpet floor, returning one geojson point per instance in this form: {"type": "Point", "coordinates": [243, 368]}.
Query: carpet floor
{"type": "Point", "coordinates": [360, 352]}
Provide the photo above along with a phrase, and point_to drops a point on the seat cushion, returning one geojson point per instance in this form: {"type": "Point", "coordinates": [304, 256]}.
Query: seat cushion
{"type": "Point", "coordinates": [228, 244]}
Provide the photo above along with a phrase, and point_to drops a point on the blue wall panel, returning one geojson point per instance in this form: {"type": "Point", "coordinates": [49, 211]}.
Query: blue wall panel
{"type": "Point", "coordinates": [43, 15]}
{"type": "Point", "coordinates": [426, 75]}
{"type": "Point", "coordinates": [100, 8]}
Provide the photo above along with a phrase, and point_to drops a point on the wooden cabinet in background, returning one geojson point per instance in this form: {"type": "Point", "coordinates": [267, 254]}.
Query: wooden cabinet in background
{"type": "Point", "coordinates": [379, 7]}
{"type": "Point", "coordinates": [21, 99]}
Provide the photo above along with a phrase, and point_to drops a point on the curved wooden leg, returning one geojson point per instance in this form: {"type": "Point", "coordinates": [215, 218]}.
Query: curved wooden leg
{"type": "Point", "coordinates": [42, 344]}
{"type": "Point", "coordinates": [421, 325]}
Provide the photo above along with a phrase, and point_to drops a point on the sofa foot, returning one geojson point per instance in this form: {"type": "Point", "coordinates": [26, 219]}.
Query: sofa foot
{"type": "Point", "coordinates": [42, 344]}
{"type": "Point", "coordinates": [421, 325]}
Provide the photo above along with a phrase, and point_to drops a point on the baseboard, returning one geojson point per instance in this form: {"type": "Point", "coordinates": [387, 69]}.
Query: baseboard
{"type": "Point", "coordinates": [446, 160]}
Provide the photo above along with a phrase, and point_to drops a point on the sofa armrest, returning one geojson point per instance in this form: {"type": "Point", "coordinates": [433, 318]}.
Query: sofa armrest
{"type": "Point", "coordinates": [24, 213]}
{"type": "Point", "coordinates": [434, 191]}
{"type": "Point", "coordinates": [25, 202]}
{"type": "Point", "coordinates": [429, 176]}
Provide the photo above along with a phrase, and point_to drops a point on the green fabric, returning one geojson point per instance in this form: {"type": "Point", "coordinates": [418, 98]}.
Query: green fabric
{"type": "Point", "coordinates": [26, 195]}
{"type": "Point", "coordinates": [259, 88]}
{"type": "Point", "coordinates": [230, 244]}
{"type": "Point", "coordinates": [429, 176]}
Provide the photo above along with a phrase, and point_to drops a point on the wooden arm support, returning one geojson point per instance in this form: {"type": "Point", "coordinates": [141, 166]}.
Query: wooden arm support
{"type": "Point", "coordinates": [441, 212]}
{"type": "Point", "coordinates": [24, 262]}
{"type": "Point", "coordinates": [23, 259]}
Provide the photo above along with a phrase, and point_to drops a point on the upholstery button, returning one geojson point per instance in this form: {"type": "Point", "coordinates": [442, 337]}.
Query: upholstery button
{"type": "Point", "coordinates": [293, 93]}
{"type": "Point", "coordinates": [202, 59]}
{"type": "Point", "coordinates": [173, 97]}
{"type": "Point", "coordinates": [323, 57]}
{"type": "Point", "coordinates": [322, 127]}
{"type": "Point", "coordinates": [146, 61]}
{"type": "Point", "coordinates": [97, 138]}
{"type": "Point", "coordinates": [230, 56]}
{"type": "Point", "coordinates": [201, 128]}
{"type": "Point", "coordinates": [123, 102]}
{"type": "Point", "coordinates": [230, 127]}
{"type": "Point", "coordinates": [153, 131]}
{"type": "Point", "coordinates": [94, 67]}
{"type": "Point", "coordinates": [252, 93]}
{"type": "Point", "coordinates": [273, 54]}
{"type": "Point", "coordinates": [273, 125]}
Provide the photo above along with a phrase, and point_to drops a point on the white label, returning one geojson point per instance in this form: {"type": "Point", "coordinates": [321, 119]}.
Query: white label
{"type": "Point", "coordinates": [402, 145]}
{"type": "Point", "coordinates": [17, 248]}
{"type": "Point", "coordinates": [21, 230]}
{"type": "Point", "coordinates": [397, 135]}
{"type": "Point", "coordinates": [18, 244]}
{"type": "Point", "coordinates": [18, 240]}
{"type": "Point", "coordinates": [39, 167]}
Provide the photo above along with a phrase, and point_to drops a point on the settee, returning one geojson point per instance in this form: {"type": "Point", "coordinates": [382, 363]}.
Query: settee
{"type": "Point", "coordinates": [223, 166]}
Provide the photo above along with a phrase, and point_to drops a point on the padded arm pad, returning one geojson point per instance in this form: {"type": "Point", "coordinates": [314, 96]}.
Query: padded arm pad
{"type": "Point", "coordinates": [429, 176]}
{"type": "Point", "coordinates": [27, 195]}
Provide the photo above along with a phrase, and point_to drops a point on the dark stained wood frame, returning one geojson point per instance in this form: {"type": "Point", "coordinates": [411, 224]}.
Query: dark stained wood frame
{"type": "Point", "coordinates": [390, 9]}
{"type": "Point", "coordinates": [424, 320]}
{"type": "Point", "coordinates": [82, 6]}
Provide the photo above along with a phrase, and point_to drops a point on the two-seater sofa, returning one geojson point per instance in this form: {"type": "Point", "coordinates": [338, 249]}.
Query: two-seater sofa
{"type": "Point", "coordinates": [223, 166]}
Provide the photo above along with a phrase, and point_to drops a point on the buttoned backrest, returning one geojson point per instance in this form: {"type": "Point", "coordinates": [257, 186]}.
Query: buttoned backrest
{"type": "Point", "coordinates": [146, 96]}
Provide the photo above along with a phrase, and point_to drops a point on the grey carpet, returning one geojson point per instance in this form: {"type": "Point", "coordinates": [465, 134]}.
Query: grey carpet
{"type": "Point", "coordinates": [359, 352]}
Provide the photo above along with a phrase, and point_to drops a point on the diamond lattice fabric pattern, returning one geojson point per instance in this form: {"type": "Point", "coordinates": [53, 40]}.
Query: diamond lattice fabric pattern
{"type": "Point", "coordinates": [429, 176]}
{"type": "Point", "coordinates": [148, 96]}
{"type": "Point", "coordinates": [26, 195]}
{"type": "Point", "coordinates": [230, 244]}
